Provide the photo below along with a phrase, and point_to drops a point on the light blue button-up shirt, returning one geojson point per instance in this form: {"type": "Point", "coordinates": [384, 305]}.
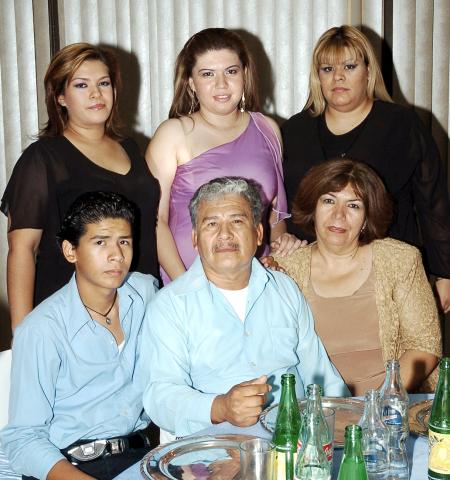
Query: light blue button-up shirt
{"type": "Point", "coordinates": [69, 381]}
{"type": "Point", "coordinates": [196, 347]}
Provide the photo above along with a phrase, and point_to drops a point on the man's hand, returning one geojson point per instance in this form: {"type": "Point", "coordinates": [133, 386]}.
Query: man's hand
{"type": "Point", "coordinates": [242, 404]}
{"type": "Point", "coordinates": [286, 244]}
{"type": "Point", "coordinates": [443, 291]}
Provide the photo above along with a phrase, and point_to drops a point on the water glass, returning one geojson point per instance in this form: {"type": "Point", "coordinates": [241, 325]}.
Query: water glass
{"type": "Point", "coordinates": [257, 459]}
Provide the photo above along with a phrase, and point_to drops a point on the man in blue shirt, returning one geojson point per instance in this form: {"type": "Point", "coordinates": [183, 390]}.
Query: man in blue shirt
{"type": "Point", "coordinates": [220, 336]}
{"type": "Point", "coordinates": [76, 397]}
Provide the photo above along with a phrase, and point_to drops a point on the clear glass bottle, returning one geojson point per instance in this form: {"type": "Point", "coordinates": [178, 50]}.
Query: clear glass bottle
{"type": "Point", "coordinates": [314, 406]}
{"type": "Point", "coordinates": [352, 465]}
{"type": "Point", "coordinates": [375, 438]}
{"type": "Point", "coordinates": [439, 426]}
{"type": "Point", "coordinates": [394, 402]}
{"type": "Point", "coordinates": [287, 426]}
{"type": "Point", "coordinates": [312, 462]}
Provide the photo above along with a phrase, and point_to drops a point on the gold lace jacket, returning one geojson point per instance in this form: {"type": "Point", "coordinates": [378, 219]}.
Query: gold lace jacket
{"type": "Point", "coordinates": [406, 307]}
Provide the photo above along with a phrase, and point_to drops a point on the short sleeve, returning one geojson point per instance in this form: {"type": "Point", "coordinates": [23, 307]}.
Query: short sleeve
{"type": "Point", "coordinates": [25, 199]}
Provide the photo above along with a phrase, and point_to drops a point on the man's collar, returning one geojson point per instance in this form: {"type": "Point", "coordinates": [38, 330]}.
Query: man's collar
{"type": "Point", "coordinates": [78, 315]}
{"type": "Point", "coordinates": [195, 278]}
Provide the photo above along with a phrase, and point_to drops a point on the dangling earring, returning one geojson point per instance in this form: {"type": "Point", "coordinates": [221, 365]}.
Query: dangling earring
{"type": "Point", "coordinates": [363, 229]}
{"type": "Point", "coordinates": [242, 103]}
{"type": "Point", "coordinates": [193, 102]}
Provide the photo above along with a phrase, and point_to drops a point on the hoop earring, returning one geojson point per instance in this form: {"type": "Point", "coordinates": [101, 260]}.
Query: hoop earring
{"type": "Point", "coordinates": [194, 102]}
{"type": "Point", "coordinates": [242, 103]}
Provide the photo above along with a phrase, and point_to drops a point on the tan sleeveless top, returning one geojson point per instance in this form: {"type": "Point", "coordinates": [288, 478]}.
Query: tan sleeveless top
{"type": "Point", "coordinates": [349, 329]}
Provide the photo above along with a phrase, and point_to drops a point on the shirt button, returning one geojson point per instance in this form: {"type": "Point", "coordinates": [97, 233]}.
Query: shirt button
{"type": "Point", "coordinates": [247, 334]}
{"type": "Point", "coordinates": [253, 364]}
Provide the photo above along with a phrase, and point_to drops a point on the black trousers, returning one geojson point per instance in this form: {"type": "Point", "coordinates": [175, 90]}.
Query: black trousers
{"type": "Point", "coordinates": [108, 467]}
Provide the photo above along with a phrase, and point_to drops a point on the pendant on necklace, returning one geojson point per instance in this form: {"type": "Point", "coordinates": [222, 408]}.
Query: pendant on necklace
{"type": "Point", "coordinates": [343, 154]}
{"type": "Point", "coordinates": [108, 320]}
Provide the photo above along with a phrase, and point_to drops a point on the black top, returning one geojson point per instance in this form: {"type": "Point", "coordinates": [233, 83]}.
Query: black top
{"type": "Point", "coordinates": [50, 174]}
{"type": "Point", "coordinates": [394, 142]}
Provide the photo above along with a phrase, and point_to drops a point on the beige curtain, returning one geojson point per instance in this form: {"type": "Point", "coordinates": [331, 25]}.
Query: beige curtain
{"type": "Point", "coordinates": [411, 38]}
{"type": "Point", "coordinates": [24, 54]}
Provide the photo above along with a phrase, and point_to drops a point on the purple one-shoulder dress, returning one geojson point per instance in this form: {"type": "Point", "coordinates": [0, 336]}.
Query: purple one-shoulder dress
{"type": "Point", "coordinates": [255, 154]}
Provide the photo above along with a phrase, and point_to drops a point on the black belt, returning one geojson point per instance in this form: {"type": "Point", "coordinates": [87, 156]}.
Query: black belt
{"type": "Point", "coordinates": [89, 450]}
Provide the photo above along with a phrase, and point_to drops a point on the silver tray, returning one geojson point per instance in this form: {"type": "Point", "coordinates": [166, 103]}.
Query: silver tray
{"type": "Point", "coordinates": [348, 411]}
{"type": "Point", "coordinates": [419, 414]}
{"type": "Point", "coordinates": [196, 458]}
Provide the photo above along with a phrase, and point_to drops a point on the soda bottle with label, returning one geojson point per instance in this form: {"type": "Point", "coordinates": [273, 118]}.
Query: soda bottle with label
{"type": "Point", "coordinates": [352, 465]}
{"type": "Point", "coordinates": [394, 412]}
{"type": "Point", "coordinates": [314, 406]}
{"type": "Point", "coordinates": [439, 426]}
{"type": "Point", "coordinates": [287, 426]}
{"type": "Point", "coordinates": [375, 438]}
{"type": "Point", "coordinates": [312, 463]}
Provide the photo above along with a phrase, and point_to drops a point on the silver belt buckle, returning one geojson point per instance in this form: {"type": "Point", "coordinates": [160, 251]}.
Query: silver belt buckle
{"type": "Point", "coordinates": [88, 451]}
{"type": "Point", "coordinates": [116, 445]}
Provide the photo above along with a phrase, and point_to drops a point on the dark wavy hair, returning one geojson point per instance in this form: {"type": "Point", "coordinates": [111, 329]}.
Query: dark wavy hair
{"type": "Point", "coordinates": [93, 207]}
{"type": "Point", "coordinates": [61, 70]}
{"type": "Point", "coordinates": [334, 176]}
{"type": "Point", "coordinates": [204, 41]}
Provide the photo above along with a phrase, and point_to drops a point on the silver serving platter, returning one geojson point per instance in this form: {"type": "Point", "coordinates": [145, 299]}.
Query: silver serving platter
{"type": "Point", "coordinates": [419, 414]}
{"type": "Point", "coordinates": [348, 411]}
{"type": "Point", "coordinates": [196, 458]}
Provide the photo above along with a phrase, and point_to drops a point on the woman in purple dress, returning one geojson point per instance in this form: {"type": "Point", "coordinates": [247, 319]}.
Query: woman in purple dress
{"type": "Point", "coordinates": [213, 131]}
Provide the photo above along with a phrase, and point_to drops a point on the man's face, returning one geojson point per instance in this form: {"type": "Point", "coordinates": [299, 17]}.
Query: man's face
{"type": "Point", "coordinates": [103, 255]}
{"type": "Point", "coordinates": [225, 237]}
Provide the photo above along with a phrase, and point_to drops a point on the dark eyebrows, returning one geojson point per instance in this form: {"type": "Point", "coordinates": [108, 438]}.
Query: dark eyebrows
{"type": "Point", "coordinates": [213, 69]}
{"type": "Point", "coordinates": [87, 79]}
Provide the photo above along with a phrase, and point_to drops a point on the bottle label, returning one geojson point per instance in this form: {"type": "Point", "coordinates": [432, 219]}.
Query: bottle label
{"type": "Point", "coordinates": [439, 452]}
{"type": "Point", "coordinates": [284, 461]}
{"type": "Point", "coordinates": [327, 448]}
{"type": "Point", "coordinates": [392, 416]}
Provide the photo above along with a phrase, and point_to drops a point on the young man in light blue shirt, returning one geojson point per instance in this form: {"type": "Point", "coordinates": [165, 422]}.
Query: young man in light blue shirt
{"type": "Point", "coordinates": [220, 336]}
{"type": "Point", "coordinates": [76, 395]}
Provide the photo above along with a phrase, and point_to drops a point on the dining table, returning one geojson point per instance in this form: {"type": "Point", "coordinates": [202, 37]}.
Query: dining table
{"type": "Point", "coordinates": [417, 447]}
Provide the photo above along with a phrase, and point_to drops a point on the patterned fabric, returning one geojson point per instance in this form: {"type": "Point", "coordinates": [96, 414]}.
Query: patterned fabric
{"type": "Point", "coordinates": [405, 304]}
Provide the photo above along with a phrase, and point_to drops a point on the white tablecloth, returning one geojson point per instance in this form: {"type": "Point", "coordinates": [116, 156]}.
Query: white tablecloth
{"type": "Point", "coordinates": [417, 448]}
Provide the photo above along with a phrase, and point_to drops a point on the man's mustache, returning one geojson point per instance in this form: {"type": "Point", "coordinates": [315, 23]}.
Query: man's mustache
{"type": "Point", "coordinates": [226, 246]}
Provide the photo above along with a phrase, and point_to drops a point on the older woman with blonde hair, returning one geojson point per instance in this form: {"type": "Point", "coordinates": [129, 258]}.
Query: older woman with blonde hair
{"type": "Point", "coordinates": [349, 113]}
{"type": "Point", "coordinates": [214, 129]}
{"type": "Point", "coordinates": [369, 295]}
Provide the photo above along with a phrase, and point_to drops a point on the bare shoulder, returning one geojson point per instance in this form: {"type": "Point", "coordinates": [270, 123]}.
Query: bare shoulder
{"type": "Point", "coordinates": [171, 128]}
{"type": "Point", "coordinates": [166, 144]}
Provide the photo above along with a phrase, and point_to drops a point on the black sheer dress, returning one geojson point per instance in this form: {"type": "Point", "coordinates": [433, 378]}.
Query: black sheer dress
{"type": "Point", "coordinates": [49, 176]}
{"type": "Point", "coordinates": [394, 142]}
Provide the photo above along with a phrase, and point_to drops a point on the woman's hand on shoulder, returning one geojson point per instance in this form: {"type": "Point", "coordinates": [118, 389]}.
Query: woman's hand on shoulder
{"type": "Point", "coordinates": [286, 244]}
{"type": "Point", "coordinates": [269, 262]}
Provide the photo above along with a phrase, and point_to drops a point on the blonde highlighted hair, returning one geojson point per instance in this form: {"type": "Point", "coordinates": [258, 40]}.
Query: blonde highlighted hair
{"type": "Point", "coordinates": [330, 49]}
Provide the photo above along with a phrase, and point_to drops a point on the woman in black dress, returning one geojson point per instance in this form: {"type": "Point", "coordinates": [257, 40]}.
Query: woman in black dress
{"type": "Point", "coordinates": [79, 150]}
{"type": "Point", "coordinates": [350, 114]}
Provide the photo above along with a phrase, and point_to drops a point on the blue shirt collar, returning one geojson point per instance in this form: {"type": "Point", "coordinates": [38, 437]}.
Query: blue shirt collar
{"type": "Point", "coordinates": [79, 316]}
{"type": "Point", "coordinates": [195, 279]}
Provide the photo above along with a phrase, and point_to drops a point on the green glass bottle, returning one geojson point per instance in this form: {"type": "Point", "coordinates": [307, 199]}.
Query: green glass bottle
{"type": "Point", "coordinates": [287, 427]}
{"type": "Point", "coordinates": [439, 426]}
{"type": "Point", "coordinates": [352, 465]}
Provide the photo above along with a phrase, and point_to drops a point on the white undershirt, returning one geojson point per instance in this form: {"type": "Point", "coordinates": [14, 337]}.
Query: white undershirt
{"type": "Point", "coordinates": [238, 300]}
